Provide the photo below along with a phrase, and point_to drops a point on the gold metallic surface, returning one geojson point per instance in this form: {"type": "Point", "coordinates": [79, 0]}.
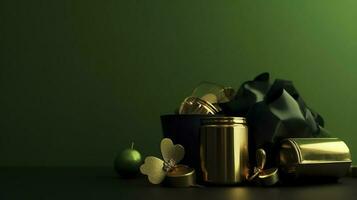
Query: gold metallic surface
{"type": "Point", "coordinates": [224, 150]}
{"type": "Point", "coordinates": [261, 157]}
{"type": "Point", "coordinates": [315, 157]}
{"type": "Point", "coordinates": [269, 177]}
{"type": "Point", "coordinates": [255, 174]}
{"type": "Point", "coordinates": [194, 105]}
{"type": "Point", "coordinates": [265, 177]}
{"type": "Point", "coordinates": [181, 176]}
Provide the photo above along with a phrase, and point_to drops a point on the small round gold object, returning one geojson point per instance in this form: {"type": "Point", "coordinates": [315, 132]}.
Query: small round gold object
{"type": "Point", "coordinates": [269, 177]}
{"type": "Point", "coordinates": [194, 105]}
{"type": "Point", "coordinates": [181, 176]}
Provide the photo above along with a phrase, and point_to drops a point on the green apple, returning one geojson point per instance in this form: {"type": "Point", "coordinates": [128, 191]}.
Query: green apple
{"type": "Point", "coordinates": [127, 163]}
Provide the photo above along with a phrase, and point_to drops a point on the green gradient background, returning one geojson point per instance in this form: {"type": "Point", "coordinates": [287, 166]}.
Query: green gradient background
{"type": "Point", "coordinates": [82, 79]}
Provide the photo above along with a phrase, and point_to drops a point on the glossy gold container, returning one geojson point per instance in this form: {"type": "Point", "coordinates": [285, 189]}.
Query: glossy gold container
{"type": "Point", "coordinates": [224, 150]}
{"type": "Point", "coordinates": [197, 106]}
{"type": "Point", "coordinates": [314, 157]}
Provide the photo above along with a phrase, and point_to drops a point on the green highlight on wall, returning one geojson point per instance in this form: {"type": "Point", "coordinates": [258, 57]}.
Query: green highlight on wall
{"type": "Point", "coordinates": [81, 80]}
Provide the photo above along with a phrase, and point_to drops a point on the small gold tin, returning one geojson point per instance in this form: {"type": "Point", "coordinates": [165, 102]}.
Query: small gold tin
{"type": "Point", "coordinates": [224, 150]}
{"type": "Point", "coordinates": [181, 176]}
{"type": "Point", "coordinates": [268, 177]}
{"type": "Point", "coordinates": [326, 157]}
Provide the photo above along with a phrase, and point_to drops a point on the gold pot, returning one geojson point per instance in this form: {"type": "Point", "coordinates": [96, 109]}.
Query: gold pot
{"type": "Point", "coordinates": [224, 150]}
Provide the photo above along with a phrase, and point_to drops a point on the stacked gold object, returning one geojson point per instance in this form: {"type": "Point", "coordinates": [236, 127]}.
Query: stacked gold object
{"type": "Point", "coordinates": [224, 146]}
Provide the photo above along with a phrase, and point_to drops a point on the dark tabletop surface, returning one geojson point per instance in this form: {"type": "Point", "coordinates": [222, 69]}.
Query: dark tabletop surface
{"type": "Point", "coordinates": [102, 183]}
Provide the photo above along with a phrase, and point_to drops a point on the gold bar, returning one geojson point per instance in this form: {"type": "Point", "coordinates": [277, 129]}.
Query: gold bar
{"type": "Point", "coordinates": [328, 157]}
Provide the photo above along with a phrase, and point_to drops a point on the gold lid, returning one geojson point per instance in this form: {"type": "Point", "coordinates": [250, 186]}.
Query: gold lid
{"type": "Point", "coordinates": [223, 120]}
{"type": "Point", "coordinates": [181, 176]}
{"type": "Point", "coordinates": [194, 105]}
{"type": "Point", "coordinates": [269, 176]}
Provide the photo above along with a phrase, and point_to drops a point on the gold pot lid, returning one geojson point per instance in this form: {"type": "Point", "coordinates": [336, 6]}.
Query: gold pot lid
{"type": "Point", "coordinates": [223, 120]}
{"type": "Point", "coordinates": [269, 176]}
{"type": "Point", "coordinates": [195, 105]}
{"type": "Point", "coordinates": [181, 176]}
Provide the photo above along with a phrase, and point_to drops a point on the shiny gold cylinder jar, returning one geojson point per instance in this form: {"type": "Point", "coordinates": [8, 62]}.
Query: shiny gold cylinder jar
{"type": "Point", "coordinates": [224, 150]}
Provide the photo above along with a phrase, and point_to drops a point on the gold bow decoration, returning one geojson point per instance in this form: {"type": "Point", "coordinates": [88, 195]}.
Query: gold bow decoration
{"type": "Point", "coordinates": [157, 170]}
{"type": "Point", "coordinates": [263, 176]}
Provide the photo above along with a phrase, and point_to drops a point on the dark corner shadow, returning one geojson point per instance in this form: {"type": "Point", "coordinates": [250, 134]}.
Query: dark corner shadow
{"type": "Point", "coordinates": [311, 182]}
